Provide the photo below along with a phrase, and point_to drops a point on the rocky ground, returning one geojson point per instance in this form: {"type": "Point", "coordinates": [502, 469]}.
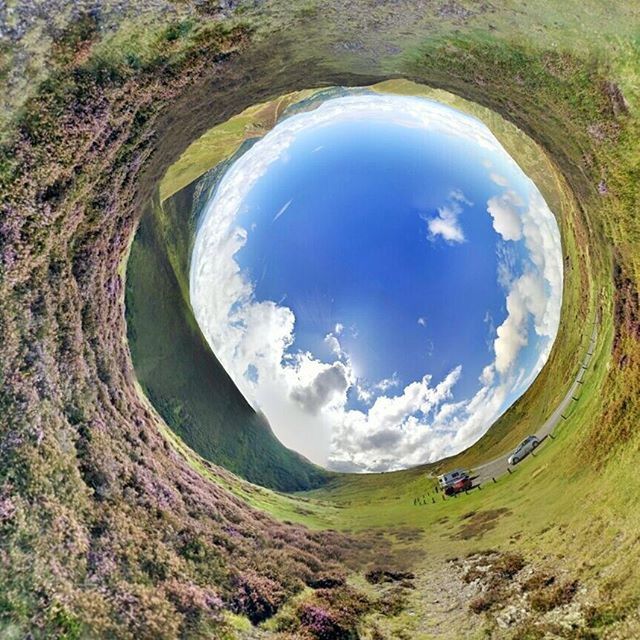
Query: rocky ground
{"type": "Point", "coordinates": [494, 594]}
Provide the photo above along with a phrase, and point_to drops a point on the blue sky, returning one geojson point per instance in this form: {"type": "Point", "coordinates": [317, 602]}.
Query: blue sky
{"type": "Point", "coordinates": [374, 276]}
{"type": "Point", "coordinates": [352, 247]}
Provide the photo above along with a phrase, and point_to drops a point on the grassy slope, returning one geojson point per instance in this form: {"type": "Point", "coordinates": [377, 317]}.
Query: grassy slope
{"type": "Point", "coordinates": [558, 500]}
{"type": "Point", "coordinates": [578, 498]}
{"type": "Point", "coordinates": [222, 141]}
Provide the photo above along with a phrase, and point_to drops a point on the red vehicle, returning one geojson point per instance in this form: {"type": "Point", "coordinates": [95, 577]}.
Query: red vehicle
{"type": "Point", "coordinates": [464, 484]}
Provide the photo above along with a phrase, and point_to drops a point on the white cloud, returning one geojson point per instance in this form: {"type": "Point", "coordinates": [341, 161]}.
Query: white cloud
{"type": "Point", "coordinates": [537, 293]}
{"type": "Point", "coordinates": [330, 383]}
{"type": "Point", "coordinates": [334, 344]}
{"type": "Point", "coordinates": [507, 264]}
{"type": "Point", "coordinates": [512, 333]}
{"type": "Point", "coordinates": [386, 436]}
{"type": "Point", "coordinates": [527, 298]}
{"type": "Point", "coordinates": [364, 393]}
{"type": "Point", "coordinates": [368, 392]}
{"type": "Point", "coordinates": [446, 224]}
{"type": "Point", "coordinates": [488, 375]}
{"type": "Point", "coordinates": [501, 181]}
{"type": "Point", "coordinates": [388, 383]}
{"type": "Point", "coordinates": [506, 218]}
{"type": "Point", "coordinates": [542, 240]}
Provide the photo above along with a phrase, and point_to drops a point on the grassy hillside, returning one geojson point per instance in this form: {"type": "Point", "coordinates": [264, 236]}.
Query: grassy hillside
{"type": "Point", "coordinates": [111, 526]}
{"type": "Point", "coordinates": [570, 508]}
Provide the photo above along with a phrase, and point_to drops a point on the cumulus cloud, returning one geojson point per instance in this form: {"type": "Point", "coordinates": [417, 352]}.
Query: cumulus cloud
{"type": "Point", "coordinates": [334, 344]}
{"type": "Point", "coordinates": [511, 334]}
{"type": "Point", "coordinates": [388, 383]}
{"type": "Point", "coordinates": [305, 398]}
{"type": "Point", "coordinates": [446, 223]}
{"type": "Point", "coordinates": [332, 381]}
{"type": "Point", "coordinates": [537, 293]}
{"type": "Point", "coordinates": [364, 437]}
{"type": "Point", "coordinates": [542, 240]}
{"type": "Point", "coordinates": [364, 393]}
{"type": "Point", "coordinates": [488, 375]}
{"type": "Point", "coordinates": [506, 217]}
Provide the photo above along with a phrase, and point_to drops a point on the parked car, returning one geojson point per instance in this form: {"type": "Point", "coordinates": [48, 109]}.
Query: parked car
{"type": "Point", "coordinates": [523, 449]}
{"type": "Point", "coordinates": [463, 484]}
{"type": "Point", "coordinates": [447, 479]}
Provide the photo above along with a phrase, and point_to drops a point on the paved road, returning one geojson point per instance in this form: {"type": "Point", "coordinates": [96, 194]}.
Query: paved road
{"type": "Point", "coordinates": [499, 466]}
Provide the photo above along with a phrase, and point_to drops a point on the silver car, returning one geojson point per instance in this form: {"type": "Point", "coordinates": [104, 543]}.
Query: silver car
{"type": "Point", "coordinates": [523, 449]}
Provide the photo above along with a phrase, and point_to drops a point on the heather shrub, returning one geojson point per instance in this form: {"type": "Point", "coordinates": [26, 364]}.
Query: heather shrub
{"type": "Point", "coordinates": [393, 602]}
{"type": "Point", "coordinates": [147, 613]}
{"type": "Point", "coordinates": [326, 581]}
{"type": "Point", "coordinates": [257, 597]}
{"type": "Point", "coordinates": [482, 602]}
{"type": "Point", "coordinates": [379, 575]}
{"type": "Point", "coordinates": [507, 565]}
{"type": "Point", "coordinates": [325, 624]}
{"type": "Point", "coordinates": [334, 614]}
{"type": "Point", "coordinates": [198, 605]}
{"type": "Point", "coordinates": [553, 596]}
{"type": "Point", "coordinates": [538, 580]}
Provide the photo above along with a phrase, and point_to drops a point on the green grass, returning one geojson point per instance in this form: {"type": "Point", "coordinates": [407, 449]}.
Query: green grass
{"type": "Point", "coordinates": [576, 501]}
{"type": "Point", "coordinates": [222, 141]}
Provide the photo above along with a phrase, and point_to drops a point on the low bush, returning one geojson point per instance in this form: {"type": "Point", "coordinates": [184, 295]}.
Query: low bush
{"type": "Point", "coordinates": [482, 603]}
{"type": "Point", "coordinates": [538, 580]}
{"type": "Point", "coordinates": [554, 596]}
{"type": "Point", "coordinates": [256, 597]}
{"type": "Point", "coordinates": [379, 575]}
{"type": "Point", "coordinates": [333, 614]}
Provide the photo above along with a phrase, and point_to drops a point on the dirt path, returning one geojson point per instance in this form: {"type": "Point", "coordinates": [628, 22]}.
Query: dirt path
{"type": "Point", "coordinates": [439, 606]}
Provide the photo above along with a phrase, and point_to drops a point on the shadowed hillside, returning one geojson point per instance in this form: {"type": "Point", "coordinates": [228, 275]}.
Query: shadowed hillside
{"type": "Point", "coordinates": [176, 368]}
